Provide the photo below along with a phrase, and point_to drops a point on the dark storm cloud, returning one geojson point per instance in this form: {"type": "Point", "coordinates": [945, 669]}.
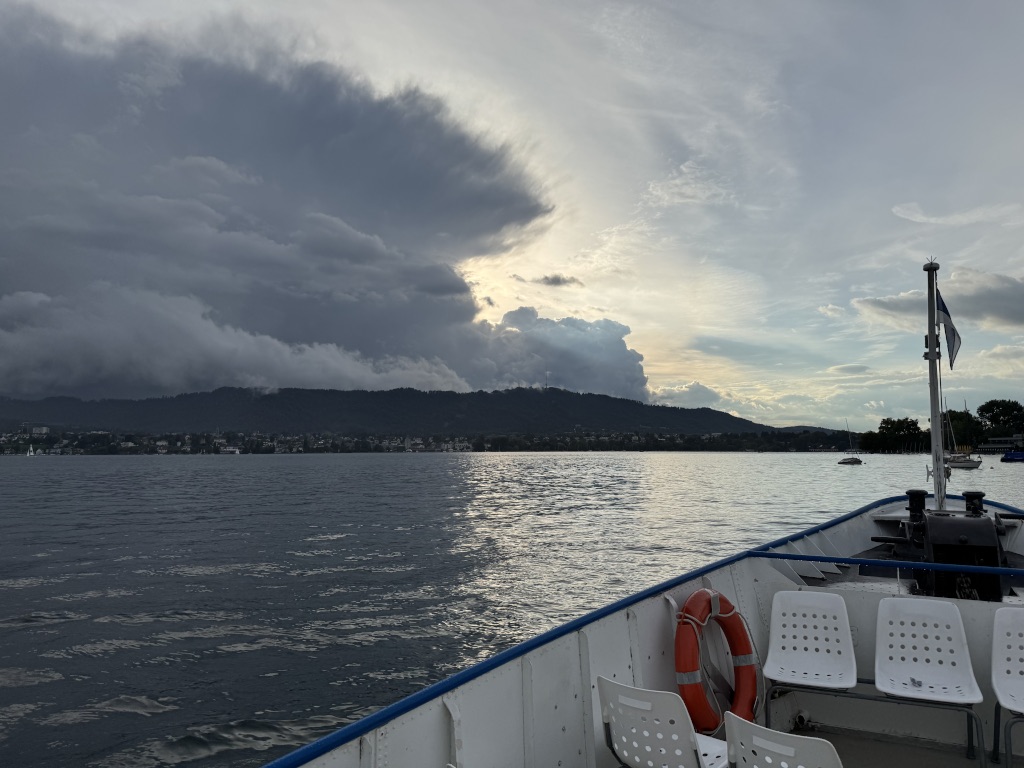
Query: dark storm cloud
{"type": "Point", "coordinates": [174, 221]}
{"type": "Point", "coordinates": [897, 310]}
{"type": "Point", "coordinates": [987, 298]}
{"type": "Point", "coordinates": [569, 353]}
{"type": "Point", "coordinates": [559, 280]}
{"type": "Point", "coordinates": [555, 281]}
{"type": "Point", "coordinates": [849, 369]}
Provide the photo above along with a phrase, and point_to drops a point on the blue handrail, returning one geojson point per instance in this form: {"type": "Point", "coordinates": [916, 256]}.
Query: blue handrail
{"type": "Point", "coordinates": [915, 564]}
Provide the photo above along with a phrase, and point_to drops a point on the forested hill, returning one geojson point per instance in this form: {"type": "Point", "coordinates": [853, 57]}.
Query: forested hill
{"type": "Point", "coordinates": [394, 412]}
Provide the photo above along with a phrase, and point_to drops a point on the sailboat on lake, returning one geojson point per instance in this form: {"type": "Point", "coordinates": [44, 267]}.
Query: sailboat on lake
{"type": "Point", "coordinates": [956, 459]}
{"type": "Point", "coordinates": [850, 459]}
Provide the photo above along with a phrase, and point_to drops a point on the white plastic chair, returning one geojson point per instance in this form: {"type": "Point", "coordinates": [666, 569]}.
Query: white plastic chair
{"type": "Point", "coordinates": [754, 746]}
{"type": "Point", "coordinates": [652, 729]}
{"type": "Point", "coordinates": [1007, 674]}
{"type": "Point", "coordinates": [921, 656]}
{"type": "Point", "coordinates": [810, 642]}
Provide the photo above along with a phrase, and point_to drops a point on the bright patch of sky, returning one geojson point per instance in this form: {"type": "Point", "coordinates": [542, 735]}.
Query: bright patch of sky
{"type": "Point", "coordinates": [694, 204]}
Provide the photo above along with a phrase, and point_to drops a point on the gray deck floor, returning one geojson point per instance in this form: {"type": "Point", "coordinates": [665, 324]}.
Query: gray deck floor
{"type": "Point", "coordinates": [859, 751]}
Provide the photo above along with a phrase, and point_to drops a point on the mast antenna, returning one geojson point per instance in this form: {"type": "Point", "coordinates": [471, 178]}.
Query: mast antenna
{"type": "Point", "coordinates": [933, 356]}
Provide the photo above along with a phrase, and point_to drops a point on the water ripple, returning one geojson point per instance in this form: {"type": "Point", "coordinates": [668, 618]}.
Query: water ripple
{"type": "Point", "coordinates": [16, 677]}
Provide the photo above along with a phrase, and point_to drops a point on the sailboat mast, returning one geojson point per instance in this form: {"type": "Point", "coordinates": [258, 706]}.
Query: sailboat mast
{"type": "Point", "coordinates": [932, 356]}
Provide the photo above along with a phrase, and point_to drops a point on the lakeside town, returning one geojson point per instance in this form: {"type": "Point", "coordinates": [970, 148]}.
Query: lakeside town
{"type": "Point", "coordinates": [44, 441]}
{"type": "Point", "coordinates": [998, 427]}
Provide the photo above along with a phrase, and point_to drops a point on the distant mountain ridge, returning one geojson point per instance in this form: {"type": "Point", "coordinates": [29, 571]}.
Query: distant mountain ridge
{"type": "Point", "coordinates": [391, 412]}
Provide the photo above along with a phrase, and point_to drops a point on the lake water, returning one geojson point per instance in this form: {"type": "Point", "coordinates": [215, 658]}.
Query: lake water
{"type": "Point", "coordinates": [222, 610]}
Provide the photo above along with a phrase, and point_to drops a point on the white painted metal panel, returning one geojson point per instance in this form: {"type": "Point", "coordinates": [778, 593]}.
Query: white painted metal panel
{"type": "Point", "coordinates": [748, 597]}
{"type": "Point", "coordinates": [784, 567]}
{"type": "Point", "coordinates": [654, 638]}
{"type": "Point", "coordinates": [345, 756]}
{"type": "Point", "coordinates": [807, 546]}
{"type": "Point", "coordinates": [493, 705]}
{"type": "Point", "coordinates": [420, 737]}
{"type": "Point", "coordinates": [802, 567]}
{"type": "Point", "coordinates": [856, 532]}
{"type": "Point", "coordinates": [827, 545]}
{"type": "Point", "coordinates": [604, 650]}
{"type": "Point", "coordinates": [1012, 542]}
{"type": "Point", "coordinates": [553, 699]}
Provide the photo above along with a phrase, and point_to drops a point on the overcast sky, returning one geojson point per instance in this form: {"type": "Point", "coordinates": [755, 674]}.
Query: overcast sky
{"type": "Point", "coordinates": [686, 203]}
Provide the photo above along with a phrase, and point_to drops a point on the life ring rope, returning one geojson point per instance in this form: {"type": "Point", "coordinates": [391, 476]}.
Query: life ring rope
{"type": "Point", "coordinates": [694, 669]}
{"type": "Point", "coordinates": [754, 659]}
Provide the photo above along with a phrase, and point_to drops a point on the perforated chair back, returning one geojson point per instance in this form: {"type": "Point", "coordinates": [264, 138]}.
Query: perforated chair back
{"type": "Point", "coordinates": [753, 746]}
{"type": "Point", "coordinates": [810, 641]}
{"type": "Point", "coordinates": [1008, 658]}
{"type": "Point", "coordinates": [1008, 674]}
{"type": "Point", "coordinates": [652, 729]}
{"type": "Point", "coordinates": [921, 651]}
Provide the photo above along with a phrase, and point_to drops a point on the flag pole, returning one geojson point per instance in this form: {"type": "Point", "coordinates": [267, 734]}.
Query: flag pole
{"type": "Point", "coordinates": [933, 356]}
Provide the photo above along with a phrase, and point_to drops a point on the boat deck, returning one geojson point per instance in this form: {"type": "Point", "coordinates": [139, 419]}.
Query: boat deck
{"type": "Point", "coordinates": [859, 750]}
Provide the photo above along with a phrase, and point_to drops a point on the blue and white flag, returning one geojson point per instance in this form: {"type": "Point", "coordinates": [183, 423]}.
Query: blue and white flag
{"type": "Point", "coordinates": [952, 337]}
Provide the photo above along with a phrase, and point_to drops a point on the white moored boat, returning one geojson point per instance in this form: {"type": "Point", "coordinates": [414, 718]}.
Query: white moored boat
{"type": "Point", "coordinates": [850, 459]}
{"type": "Point", "coordinates": [963, 461]}
{"type": "Point", "coordinates": [890, 635]}
{"type": "Point", "coordinates": [959, 459]}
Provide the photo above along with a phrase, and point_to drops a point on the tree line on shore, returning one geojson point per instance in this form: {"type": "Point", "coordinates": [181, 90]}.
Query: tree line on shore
{"type": "Point", "coordinates": [995, 418]}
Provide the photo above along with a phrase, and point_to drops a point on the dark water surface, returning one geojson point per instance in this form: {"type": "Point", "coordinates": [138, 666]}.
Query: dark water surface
{"type": "Point", "coordinates": [223, 610]}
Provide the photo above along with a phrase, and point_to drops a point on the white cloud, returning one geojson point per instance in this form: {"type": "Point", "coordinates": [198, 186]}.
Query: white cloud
{"type": "Point", "coordinates": [1007, 214]}
{"type": "Point", "coordinates": [831, 310]}
{"type": "Point", "coordinates": [690, 185]}
{"type": "Point", "coordinates": [692, 395]}
{"type": "Point", "coordinates": [1003, 360]}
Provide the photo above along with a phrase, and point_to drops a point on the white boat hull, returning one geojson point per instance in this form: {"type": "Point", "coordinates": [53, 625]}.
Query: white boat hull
{"type": "Point", "coordinates": [964, 464]}
{"type": "Point", "coordinates": [537, 704]}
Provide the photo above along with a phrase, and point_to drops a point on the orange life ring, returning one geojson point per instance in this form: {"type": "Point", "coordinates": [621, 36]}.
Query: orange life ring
{"type": "Point", "coordinates": [700, 607]}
